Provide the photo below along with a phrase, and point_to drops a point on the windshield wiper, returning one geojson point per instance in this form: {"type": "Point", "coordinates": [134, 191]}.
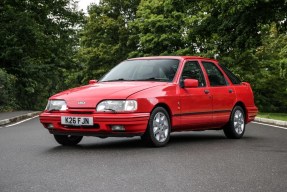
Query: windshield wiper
{"type": "Point", "coordinates": [147, 79]}
{"type": "Point", "coordinates": [152, 79]}
{"type": "Point", "coordinates": [120, 79]}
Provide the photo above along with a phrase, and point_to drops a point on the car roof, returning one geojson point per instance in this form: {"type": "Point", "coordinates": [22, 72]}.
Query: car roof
{"type": "Point", "coordinates": [173, 57]}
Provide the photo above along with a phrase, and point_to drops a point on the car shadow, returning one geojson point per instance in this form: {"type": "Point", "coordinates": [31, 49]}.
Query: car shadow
{"type": "Point", "coordinates": [104, 145]}
{"type": "Point", "coordinates": [192, 139]}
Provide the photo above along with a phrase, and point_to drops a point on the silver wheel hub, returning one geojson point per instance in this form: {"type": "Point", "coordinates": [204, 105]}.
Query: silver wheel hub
{"type": "Point", "coordinates": [160, 127]}
{"type": "Point", "coordinates": [238, 121]}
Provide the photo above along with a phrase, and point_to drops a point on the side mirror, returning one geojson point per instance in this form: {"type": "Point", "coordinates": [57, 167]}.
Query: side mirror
{"type": "Point", "coordinates": [93, 81]}
{"type": "Point", "coordinates": [190, 83]}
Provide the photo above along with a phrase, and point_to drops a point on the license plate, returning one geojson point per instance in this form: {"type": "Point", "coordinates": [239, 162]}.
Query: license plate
{"type": "Point", "coordinates": [77, 121]}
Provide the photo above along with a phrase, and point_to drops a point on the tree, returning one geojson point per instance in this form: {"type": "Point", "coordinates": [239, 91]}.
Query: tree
{"type": "Point", "coordinates": [271, 76]}
{"type": "Point", "coordinates": [229, 25]}
{"type": "Point", "coordinates": [38, 39]}
{"type": "Point", "coordinates": [104, 38]}
{"type": "Point", "coordinates": [159, 28]}
{"type": "Point", "coordinates": [7, 90]}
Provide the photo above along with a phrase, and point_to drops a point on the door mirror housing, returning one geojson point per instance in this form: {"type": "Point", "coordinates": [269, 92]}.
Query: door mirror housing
{"type": "Point", "coordinates": [93, 81]}
{"type": "Point", "coordinates": [190, 83]}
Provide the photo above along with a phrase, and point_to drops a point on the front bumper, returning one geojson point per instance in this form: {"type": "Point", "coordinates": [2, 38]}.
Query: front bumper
{"type": "Point", "coordinates": [134, 123]}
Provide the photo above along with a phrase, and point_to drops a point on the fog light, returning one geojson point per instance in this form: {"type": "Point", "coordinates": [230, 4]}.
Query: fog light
{"type": "Point", "coordinates": [118, 127]}
{"type": "Point", "coordinates": [50, 126]}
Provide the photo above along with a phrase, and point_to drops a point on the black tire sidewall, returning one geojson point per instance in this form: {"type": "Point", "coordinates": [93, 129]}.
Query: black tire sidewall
{"type": "Point", "coordinates": [232, 131]}
{"type": "Point", "coordinates": [68, 141]}
{"type": "Point", "coordinates": [150, 133]}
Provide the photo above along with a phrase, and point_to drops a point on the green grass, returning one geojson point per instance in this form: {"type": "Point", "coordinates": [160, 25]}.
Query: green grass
{"type": "Point", "coordinates": [278, 116]}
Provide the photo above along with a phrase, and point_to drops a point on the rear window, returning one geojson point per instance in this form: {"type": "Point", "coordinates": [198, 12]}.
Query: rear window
{"type": "Point", "coordinates": [233, 78]}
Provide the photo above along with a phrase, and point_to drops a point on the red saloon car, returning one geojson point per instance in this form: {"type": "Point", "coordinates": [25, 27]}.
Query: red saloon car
{"type": "Point", "coordinates": [152, 97]}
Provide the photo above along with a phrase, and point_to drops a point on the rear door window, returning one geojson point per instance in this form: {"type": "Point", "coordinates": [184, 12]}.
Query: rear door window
{"type": "Point", "coordinates": [233, 78]}
{"type": "Point", "coordinates": [215, 76]}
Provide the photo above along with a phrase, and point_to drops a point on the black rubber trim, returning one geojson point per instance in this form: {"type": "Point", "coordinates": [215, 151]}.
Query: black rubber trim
{"type": "Point", "coordinates": [204, 112]}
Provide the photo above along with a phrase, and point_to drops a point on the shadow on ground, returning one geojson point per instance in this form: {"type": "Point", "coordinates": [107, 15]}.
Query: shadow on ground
{"type": "Point", "coordinates": [177, 140]}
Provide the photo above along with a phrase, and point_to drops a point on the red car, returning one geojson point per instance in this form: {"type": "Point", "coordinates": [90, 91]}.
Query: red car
{"type": "Point", "coordinates": [152, 97]}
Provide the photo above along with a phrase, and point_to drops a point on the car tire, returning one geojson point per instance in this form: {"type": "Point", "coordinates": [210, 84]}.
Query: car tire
{"type": "Point", "coordinates": [158, 131]}
{"type": "Point", "coordinates": [236, 126]}
{"type": "Point", "coordinates": [68, 140]}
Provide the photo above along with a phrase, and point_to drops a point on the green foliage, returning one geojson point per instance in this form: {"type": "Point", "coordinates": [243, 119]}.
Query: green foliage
{"type": "Point", "coordinates": [229, 26]}
{"type": "Point", "coordinates": [278, 116]}
{"type": "Point", "coordinates": [159, 28]}
{"type": "Point", "coordinates": [38, 41]}
{"type": "Point", "coordinates": [271, 79]}
{"type": "Point", "coordinates": [7, 91]}
{"type": "Point", "coordinates": [104, 38]}
{"type": "Point", "coordinates": [41, 54]}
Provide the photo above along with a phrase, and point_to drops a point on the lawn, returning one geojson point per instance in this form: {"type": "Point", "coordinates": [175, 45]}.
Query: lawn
{"type": "Point", "coordinates": [278, 116]}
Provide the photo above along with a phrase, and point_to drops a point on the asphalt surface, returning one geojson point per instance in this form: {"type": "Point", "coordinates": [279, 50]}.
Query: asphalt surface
{"type": "Point", "coordinates": [8, 115]}
{"type": "Point", "coordinates": [30, 160]}
{"type": "Point", "coordinates": [7, 118]}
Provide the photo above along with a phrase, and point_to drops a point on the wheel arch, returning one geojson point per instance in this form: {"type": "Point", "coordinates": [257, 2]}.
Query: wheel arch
{"type": "Point", "coordinates": [241, 104]}
{"type": "Point", "coordinates": [166, 107]}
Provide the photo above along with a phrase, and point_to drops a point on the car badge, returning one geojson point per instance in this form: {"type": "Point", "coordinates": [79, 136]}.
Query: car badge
{"type": "Point", "coordinates": [81, 102]}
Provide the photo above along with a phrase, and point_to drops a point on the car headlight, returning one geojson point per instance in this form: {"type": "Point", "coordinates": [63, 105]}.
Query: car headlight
{"type": "Point", "coordinates": [117, 105]}
{"type": "Point", "coordinates": [56, 105]}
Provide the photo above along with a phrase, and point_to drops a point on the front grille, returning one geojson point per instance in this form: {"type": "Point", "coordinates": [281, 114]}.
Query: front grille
{"type": "Point", "coordinates": [81, 111]}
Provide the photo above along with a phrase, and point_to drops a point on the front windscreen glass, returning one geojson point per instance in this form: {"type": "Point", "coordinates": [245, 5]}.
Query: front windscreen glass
{"type": "Point", "coordinates": [143, 70]}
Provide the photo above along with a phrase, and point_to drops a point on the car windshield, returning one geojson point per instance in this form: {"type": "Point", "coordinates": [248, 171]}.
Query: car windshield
{"type": "Point", "coordinates": [143, 70]}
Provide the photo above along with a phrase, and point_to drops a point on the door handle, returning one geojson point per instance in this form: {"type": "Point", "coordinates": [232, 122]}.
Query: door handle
{"type": "Point", "coordinates": [206, 91]}
{"type": "Point", "coordinates": [230, 90]}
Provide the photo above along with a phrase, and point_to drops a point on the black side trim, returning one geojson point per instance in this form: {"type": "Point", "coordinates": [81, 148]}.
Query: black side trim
{"type": "Point", "coordinates": [204, 112]}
